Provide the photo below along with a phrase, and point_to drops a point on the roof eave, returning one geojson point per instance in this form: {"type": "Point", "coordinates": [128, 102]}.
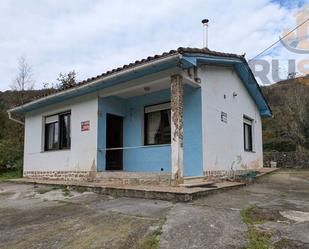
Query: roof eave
{"type": "Point", "coordinates": [97, 84]}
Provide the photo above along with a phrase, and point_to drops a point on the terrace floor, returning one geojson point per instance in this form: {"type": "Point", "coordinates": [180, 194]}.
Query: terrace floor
{"type": "Point", "coordinates": [169, 193]}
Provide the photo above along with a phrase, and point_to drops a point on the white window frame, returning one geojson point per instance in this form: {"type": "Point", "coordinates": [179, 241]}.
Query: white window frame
{"type": "Point", "coordinates": [149, 109]}
{"type": "Point", "coordinates": [249, 121]}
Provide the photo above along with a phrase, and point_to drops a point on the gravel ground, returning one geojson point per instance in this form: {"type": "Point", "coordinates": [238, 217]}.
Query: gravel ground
{"type": "Point", "coordinates": [33, 216]}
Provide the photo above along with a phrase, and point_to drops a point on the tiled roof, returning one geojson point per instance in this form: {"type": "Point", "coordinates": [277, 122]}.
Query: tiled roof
{"type": "Point", "coordinates": [180, 50]}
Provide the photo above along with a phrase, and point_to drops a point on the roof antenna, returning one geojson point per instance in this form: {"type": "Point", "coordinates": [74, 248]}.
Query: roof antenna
{"type": "Point", "coordinates": [205, 33]}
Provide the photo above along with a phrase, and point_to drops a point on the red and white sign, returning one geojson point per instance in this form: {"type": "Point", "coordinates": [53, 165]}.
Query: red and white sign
{"type": "Point", "coordinates": [85, 125]}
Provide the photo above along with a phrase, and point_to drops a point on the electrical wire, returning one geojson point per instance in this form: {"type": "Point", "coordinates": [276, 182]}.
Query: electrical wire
{"type": "Point", "coordinates": [279, 39]}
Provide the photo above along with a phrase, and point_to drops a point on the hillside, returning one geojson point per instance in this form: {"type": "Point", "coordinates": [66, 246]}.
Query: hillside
{"type": "Point", "coordinates": [11, 133]}
{"type": "Point", "coordinates": [288, 130]}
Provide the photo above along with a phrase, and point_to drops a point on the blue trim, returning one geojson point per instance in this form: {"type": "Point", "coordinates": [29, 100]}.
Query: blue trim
{"type": "Point", "coordinates": [101, 85]}
{"type": "Point", "coordinates": [184, 61]}
{"type": "Point", "coordinates": [190, 61]}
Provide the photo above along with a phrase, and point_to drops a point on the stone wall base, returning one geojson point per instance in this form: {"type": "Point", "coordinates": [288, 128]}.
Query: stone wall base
{"type": "Point", "coordinates": [113, 178]}
{"type": "Point", "coordinates": [134, 178]}
{"type": "Point", "coordinates": [58, 175]}
{"type": "Point", "coordinates": [127, 178]}
{"type": "Point", "coordinates": [288, 159]}
{"type": "Point", "coordinates": [222, 174]}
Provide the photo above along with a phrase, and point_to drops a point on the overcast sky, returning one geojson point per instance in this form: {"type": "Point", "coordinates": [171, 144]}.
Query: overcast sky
{"type": "Point", "coordinates": [92, 36]}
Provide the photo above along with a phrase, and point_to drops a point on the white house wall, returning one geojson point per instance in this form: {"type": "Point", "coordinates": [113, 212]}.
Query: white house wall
{"type": "Point", "coordinates": [83, 153]}
{"type": "Point", "coordinates": [223, 143]}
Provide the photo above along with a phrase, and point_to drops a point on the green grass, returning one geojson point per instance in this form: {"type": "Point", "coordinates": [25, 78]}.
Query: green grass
{"type": "Point", "coordinates": [47, 189]}
{"type": "Point", "coordinates": [12, 174]}
{"type": "Point", "coordinates": [248, 218]}
{"type": "Point", "coordinates": [66, 192]}
{"type": "Point", "coordinates": [152, 240]}
{"type": "Point", "coordinates": [257, 239]}
{"type": "Point", "coordinates": [80, 189]}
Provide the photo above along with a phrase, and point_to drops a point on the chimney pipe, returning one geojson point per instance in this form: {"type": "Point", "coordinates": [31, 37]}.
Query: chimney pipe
{"type": "Point", "coordinates": [205, 32]}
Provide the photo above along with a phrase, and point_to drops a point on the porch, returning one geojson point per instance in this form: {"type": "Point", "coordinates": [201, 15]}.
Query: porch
{"type": "Point", "coordinates": [151, 125]}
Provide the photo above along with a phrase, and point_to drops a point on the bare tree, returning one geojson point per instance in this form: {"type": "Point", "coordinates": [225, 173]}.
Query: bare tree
{"type": "Point", "coordinates": [296, 106]}
{"type": "Point", "coordinates": [23, 80]}
{"type": "Point", "coordinates": [24, 77]}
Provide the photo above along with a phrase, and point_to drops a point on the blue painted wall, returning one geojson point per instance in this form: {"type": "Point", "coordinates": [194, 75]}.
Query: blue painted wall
{"type": "Point", "coordinates": [146, 159]}
{"type": "Point", "coordinates": [152, 159]}
{"type": "Point", "coordinates": [113, 105]}
{"type": "Point", "coordinates": [192, 129]}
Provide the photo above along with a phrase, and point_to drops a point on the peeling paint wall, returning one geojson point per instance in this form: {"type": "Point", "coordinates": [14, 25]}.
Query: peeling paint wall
{"type": "Point", "coordinates": [83, 153]}
{"type": "Point", "coordinates": [177, 126]}
{"type": "Point", "coordinates": [223, 142]}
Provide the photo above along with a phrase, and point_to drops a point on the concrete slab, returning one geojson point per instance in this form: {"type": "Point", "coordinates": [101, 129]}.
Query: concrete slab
{"type": "Point", "coordinates": [168, 193]}
{"type": "Point", "coordinates": [44, 216]}
{"type": "Point", "coordinates": [196, 227]}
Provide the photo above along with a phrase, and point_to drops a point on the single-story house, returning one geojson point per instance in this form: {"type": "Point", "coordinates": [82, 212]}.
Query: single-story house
{"type": "Point", "coordinates": [184, 113]}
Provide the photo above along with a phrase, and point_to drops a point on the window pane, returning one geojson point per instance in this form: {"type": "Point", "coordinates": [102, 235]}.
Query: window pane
{"type": "Point", "coordinates": [153, 127]}
{"type": "Point", "coordinates": [166, 127]}
{"type": "Point", "coordinates": [65, 136]}
{"type": "Point", "coordinates": [248, 137]}
{"type": "Point", "coordinates": [158, 127]}
{"type": "Point", "coordinates": [51, 136]}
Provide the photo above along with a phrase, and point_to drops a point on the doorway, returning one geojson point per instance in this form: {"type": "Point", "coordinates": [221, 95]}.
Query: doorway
{"type": "Point", "coordinates": [114, 140]}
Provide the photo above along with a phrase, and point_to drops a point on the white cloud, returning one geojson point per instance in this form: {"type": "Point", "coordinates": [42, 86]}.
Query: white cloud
{"type": "Point", "coordinates": [94, 36]}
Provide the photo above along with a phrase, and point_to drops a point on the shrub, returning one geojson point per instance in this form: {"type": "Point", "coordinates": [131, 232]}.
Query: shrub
{"type": "Point", "coordinates": [11, 155]}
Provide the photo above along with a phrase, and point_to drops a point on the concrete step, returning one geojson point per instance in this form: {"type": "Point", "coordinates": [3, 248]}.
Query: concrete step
{"type": "Point", "coordinates": [194, 179]}
{"type": "Point", "coordinates": [205, 184]}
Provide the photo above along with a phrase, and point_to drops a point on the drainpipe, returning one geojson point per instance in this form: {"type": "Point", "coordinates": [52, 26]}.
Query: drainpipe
{"type": "Point", "coordinates": [14, 119]}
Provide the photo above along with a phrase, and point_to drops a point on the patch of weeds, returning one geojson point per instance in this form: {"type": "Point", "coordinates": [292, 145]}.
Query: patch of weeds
{"type": "Point", "coordinates": [152, 240]}
{"type": "Point", "coordinates": [289, 244]}
{"type": "Point", "coordinates": [42, 191]}
{"type": "Point", "coordinates": [66, 192]}
{"type": "Point", "coordinates": [256, 215]}
{"type": "Point", "coordinates": [257, 239]}
{"type": "Point", "coordinates": [249, 218]}
{"type": "Point", "coordinates": [47, 189]}
{"type": "Point", "coordinates": [12, 174]}
{"type": "Point", "coordinates": [114, 193]}
{"type": "Point", "coordinates": [80, 189]}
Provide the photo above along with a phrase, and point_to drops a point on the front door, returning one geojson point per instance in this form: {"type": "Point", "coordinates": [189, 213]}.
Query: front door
{"type": "Point", "coordinates": [114, 126]}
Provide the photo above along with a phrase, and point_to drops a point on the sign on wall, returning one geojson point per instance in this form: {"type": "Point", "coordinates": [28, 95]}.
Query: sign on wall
{"type": "Point", "coordinates": [85, 125]}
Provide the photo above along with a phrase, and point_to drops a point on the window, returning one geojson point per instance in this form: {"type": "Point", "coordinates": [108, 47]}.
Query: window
{"type": "Point", "coordinates": [157, 126]}
{"type": "Point", "coordinates": [248, 135]}
{"type": "Point", "coordinates": [57, 132]}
